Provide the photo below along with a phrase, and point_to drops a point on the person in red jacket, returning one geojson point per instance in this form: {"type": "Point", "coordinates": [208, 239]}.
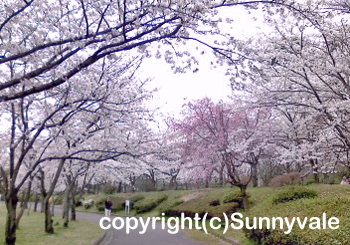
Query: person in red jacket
{"type": "Point", "coordinates": [108, 207]}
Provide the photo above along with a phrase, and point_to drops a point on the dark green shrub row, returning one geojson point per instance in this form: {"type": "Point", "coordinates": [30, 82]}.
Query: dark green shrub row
{"type": "Point", "coordinates": [293, 193]}
{"type": "Point", "coordinates": [272, 237]}
{"type": "Point", "coordinates": [215, 203]}
{"type": "Point", "coordinates": [135, 199]}
{"type": "Point", "coordinates": [213, 211]}
{"type": "Point", "coordinates": [148, 204]}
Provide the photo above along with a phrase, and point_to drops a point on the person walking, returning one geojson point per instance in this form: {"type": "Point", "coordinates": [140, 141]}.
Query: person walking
{"type": "Point", "coordinates": [108, 207]}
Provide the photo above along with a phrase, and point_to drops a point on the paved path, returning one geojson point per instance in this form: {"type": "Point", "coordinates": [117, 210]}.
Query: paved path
{"type": "Point", "coordinates": [156, 236]}
{"type": "Point", "coordinates": [151, 237]}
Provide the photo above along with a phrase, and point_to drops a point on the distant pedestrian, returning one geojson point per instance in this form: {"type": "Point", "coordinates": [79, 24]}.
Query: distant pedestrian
{"type": "Point", "coordinates": [108, 207]}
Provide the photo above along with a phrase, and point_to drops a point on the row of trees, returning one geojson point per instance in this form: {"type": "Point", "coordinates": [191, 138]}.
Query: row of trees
{"type": "Point", "coordinates": [72, 111]}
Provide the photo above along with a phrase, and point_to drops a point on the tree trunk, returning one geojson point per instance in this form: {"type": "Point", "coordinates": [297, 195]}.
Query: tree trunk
{"type": "Point", "coordinates": [48, 218]}
{"type": "Point", "coordinates": [65, 202]}
{"type": "Point", "coordinates": [24, 202]}
{"type": "Point", "coordinates": [255, 174]}
{"type": "Point", "coordinates": [10, 230]}
{"type": "Point", "coordinates": [42, 205]}
{"type": "Point", "coordinates": [244, 197]}
{"type": "Point", "coordinates": [73, 204]}
{"type": "Point", "coordinates": [36, 200]}
{"type": "Point", "coordinates": [221, 176]}
{"type": "Point", "coordinates": [315, 170]}
{"type": "Point", "coordinates": [53, 207]}
{"type": "Point", "coordinates": [65, 212]}
{"type": "Point", "coordinates": [73, 211]}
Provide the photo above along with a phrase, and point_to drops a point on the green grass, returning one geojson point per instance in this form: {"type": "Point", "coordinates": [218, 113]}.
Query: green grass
{"type": "Point", "coordinates": [332, 199]}
{"type": "Point", "coordinates": [31, 231]}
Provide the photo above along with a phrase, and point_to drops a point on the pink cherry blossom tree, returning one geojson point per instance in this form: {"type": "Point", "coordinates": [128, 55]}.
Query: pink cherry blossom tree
{"type": "Point", "coordinates": [223, 137]}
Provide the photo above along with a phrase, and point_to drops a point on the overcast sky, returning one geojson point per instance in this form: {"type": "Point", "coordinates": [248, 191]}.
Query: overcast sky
{"type": "Point", "coordinates": [176, 89]}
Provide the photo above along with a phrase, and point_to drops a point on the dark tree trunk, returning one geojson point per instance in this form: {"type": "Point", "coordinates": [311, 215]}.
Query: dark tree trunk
{"type": "Point", "coordinates": [11, 204]}
{"type": "Point", "coordinates": [36, 200]}
{"type": "Point", "coordinates": [42, 207]}
{"type": "Point", "coordinates": [255, 174]}
{"type": "Point", "coordinates": [24, 202]}
{"type": "Point", "coordinates": [65, 202]}
{"type": "Point", "coordinates": [53, 207]}
{"type": "Point", "coordinates": [65, 212]}
{"type": "Point", "coordinates": [73, 203]}
{"type": "Point", "coordinates": [244, 194]}
{"type": "Point", "coordinates": [48, 217]}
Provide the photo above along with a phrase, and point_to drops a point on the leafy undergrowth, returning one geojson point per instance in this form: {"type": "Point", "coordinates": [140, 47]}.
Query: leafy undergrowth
{"type": "Point", "coordinates": [215, 203]}
{"type": "Point", "coordinates": [149, 203]}
{"type": "Point", "coordinates": [332, 200]}
{"type": "Point", "coordinates": [293, 193]}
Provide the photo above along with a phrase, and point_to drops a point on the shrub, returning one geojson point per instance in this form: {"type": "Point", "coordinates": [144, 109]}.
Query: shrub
{"type": "Point", "coordinates": [293, 193]}
{"type": "Point", "coordinates": [136, 198]}
{"type": "Point", "coordinates": [117, 204]}
{"type": "Point", "coordinates": [87, 203]}
{"type": "Point", "coordinates": [212, 211]}
{"type": "Point", "coordinates": [109, 189]}
{"type": "Point", "coordinates": [79, 202]}
{"type": "Point", "coordinates": [234, 196]}
{"type": "Point", "coordinates": [148, 204]}
{"type": "Point", "coordinates": [285, 179]}
{"type": "Point", "coordinates": [215, 203]}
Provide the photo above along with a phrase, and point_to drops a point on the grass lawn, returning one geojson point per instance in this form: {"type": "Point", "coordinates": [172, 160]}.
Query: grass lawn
{"type": "Point", "coordinates": [332, 199]}
{"type": "Point", "coordinates": [31, 230]}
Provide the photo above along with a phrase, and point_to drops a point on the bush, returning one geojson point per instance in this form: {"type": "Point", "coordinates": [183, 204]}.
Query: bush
{"type": "Point", "coordinates": [87, 203]}
{"type": "Point", "coordinates": [293, 193]}
{"type": "Point", "coordinates": [109, 189]}
{"type": "Point", "coordinates": [215, 203]}
{"type": "Point", "coordinates": [136, 198]}
{"type": "Point", "coordinates": [285, 179]}
{"type": "Point", "coordinates": [148, 204]}
{"type": "Point", "coordinates": [79, 202]}
{"type": "Point", "coordinates": [117, 204]}
{"type": "Point", "coordinates": [234, 196]}
{"type": "Point", "coordinates": [212, 211]}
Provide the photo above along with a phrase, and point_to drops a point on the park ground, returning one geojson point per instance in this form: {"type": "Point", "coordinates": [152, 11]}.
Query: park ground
{"type": "Point", "coordinates": [292, 201]}
{"type": "Point", "coordinates": [31, 230]}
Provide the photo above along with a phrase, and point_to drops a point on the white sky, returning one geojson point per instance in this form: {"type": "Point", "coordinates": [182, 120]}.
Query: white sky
{"type": "Point", "coordinates": [176, 89]}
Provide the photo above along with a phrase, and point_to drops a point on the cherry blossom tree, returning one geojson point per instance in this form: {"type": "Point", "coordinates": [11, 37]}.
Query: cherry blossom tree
{"type": "Point", "coordinates": [48, 42]}
{"type": "Point", "coordinates": [300, 70]}
{"type": "Point", "coordinates": [81, 122]}
{"type": "Point", "coordinates": [222, 136]}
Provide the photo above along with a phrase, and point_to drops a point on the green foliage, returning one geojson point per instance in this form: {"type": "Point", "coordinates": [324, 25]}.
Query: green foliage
{"type": "Point", "coordinates": [285, 180]}
{"type": "Point", "coordinates": [215, 202]}
{"type": "Point", "coordinates": [293, 193]}
{"type": "Point", "coordinates": [332, 199]}
{"type": "Point", "coordinates": [87, 204]}
{"type": "Point", "coordinates": [118, 203]}
{"type": "Point", "coordinates": [109, 189]}
{"type": "Point", "coordinates": [147, 204]}
{"type": "Point", "coordinates": [234, 196]}
{"type": "Point", "coordinates": [201, 202]}
{"type": "Point", "coordinates": [136, 198]}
